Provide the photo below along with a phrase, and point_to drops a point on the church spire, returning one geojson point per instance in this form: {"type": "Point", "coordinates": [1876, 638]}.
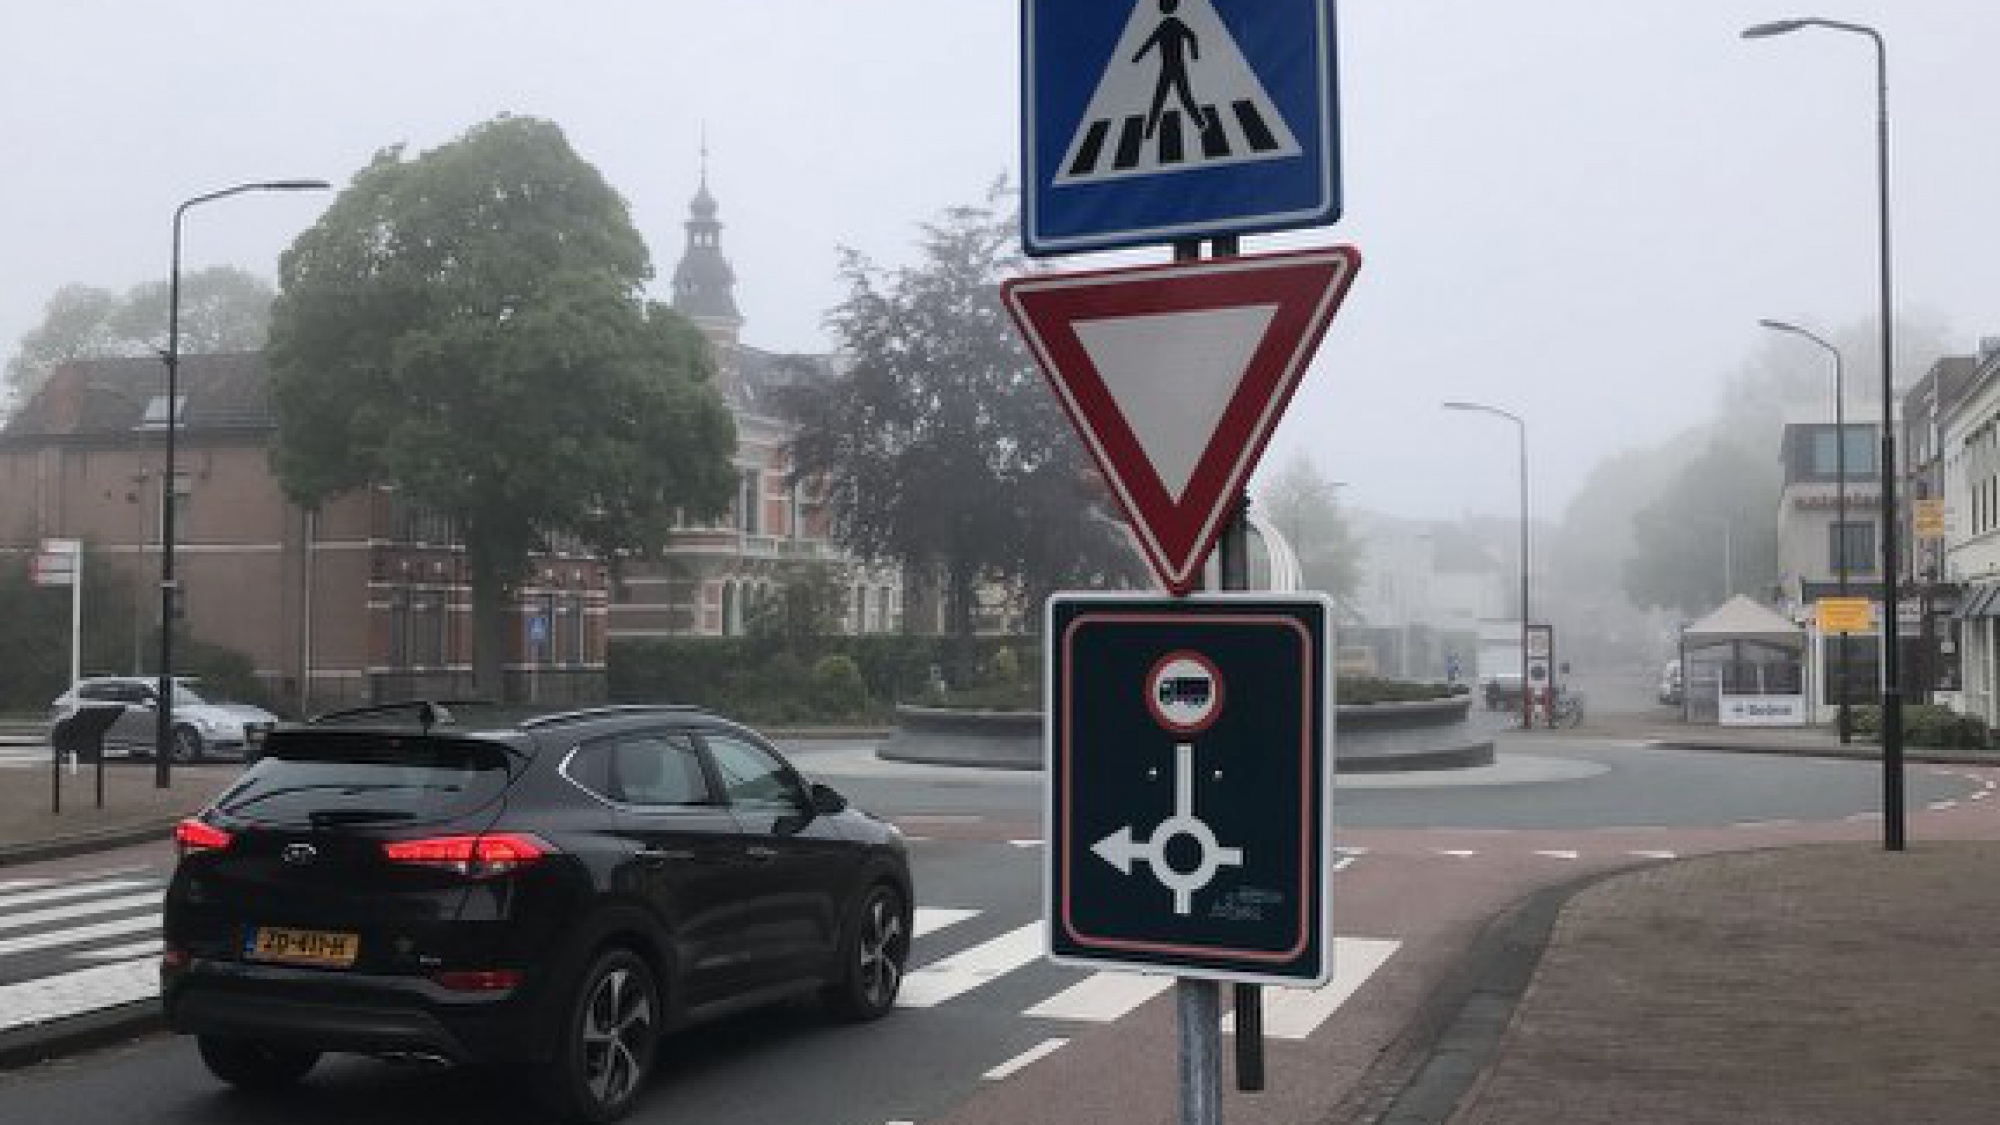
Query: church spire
{"type": "Point", "coordinates": [704, 283]}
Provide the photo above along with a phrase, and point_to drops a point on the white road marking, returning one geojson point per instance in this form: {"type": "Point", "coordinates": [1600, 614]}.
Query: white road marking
{"type": "Point", "coordinates": [148, 948]}
{"type": "Point", "coordinates": [1291, 1013]}
{"type": "Point", "coordinates": [1457, 853]}
{"type": "Point", "coordinates": [1026, 1059]}
{"type": "Point", "coordinates": [85, 990]}
{"type": "Point", "coordinates": [1756, 824]}
{"type": "Point", "coordinates": [1559, 854]}
{"type": "Point", "coordinates": [1655, 855]}
{"type": "Point", "coordinates": [1026, 843]}
{"type": "Point", "coordinates": [78, 910]}
{"type": "Point", "coordinates": [78, 935]}
{"type": "Point", "coordinates": [931, 919]}
{"type": "Point", "coordinates": [1943, 806]}
{"type": "Point", "coordinates": [1102, 997]}
{"type": "Point", "coordinates": [54, 894]}
{"type": "Point", "coordinates": [962, 972]}
{"type": "Point", "coordinates": [1982, 794]}
{"type": "Point", "coordinates": [1861, 816]}
{"type": "Point", "coordinates": [1345, 862]}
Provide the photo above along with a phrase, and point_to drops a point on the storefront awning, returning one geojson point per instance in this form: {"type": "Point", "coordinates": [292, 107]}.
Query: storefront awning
{"type": "Point", "coordinates": [1980, 600]}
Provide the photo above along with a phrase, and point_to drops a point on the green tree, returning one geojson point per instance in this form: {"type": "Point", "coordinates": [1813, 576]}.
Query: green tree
{"type": "Point", "coordinates": [942, 448]}
{"type": "Point", "coordinates": [468, 326]}
{"type": "Point", "coordinates": [223, 309]}
{"type": "Point", "coordinates": [34, 648]}
{"type": "Point", "coordinates": [1305, 506]}
{"type": "Point", "coordinates": [1711, 532]}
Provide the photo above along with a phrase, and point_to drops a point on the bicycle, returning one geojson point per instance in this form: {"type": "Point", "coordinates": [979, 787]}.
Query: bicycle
{"type": "Point", "coordinates": [1568, 710]}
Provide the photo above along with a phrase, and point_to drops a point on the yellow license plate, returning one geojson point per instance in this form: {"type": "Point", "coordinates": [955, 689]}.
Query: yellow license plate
{"type": "Point", "coordinates": [303, 947]}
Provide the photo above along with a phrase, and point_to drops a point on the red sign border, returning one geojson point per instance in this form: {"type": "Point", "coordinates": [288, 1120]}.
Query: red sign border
{"type": "Point", "coordinates": [1307, 287]}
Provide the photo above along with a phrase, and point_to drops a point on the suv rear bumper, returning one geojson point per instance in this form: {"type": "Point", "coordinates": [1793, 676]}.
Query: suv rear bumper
{"type": "Point", "coordinates": [368, 1015]}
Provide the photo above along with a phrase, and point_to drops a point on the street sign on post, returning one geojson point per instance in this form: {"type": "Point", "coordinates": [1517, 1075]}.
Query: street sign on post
{"type": "Point", "coordinates": [1846, 615]}
{"type": "Point", "coordinates": [1176, 376]}
{"type": "Point", "coordinates": [1150, 121]}
{"type": "Point", "coordinates": [1190, 778]}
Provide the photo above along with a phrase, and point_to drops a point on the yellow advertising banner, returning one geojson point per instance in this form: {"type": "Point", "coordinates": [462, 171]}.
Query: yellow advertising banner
{"type": "Point", "coordinates": [1846, 615]}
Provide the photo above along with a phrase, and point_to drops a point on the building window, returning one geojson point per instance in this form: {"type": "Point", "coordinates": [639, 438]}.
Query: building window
{"type": "Point", "coordinates": [427, 625]}
{"type": "Point", "coordinates": [750, 502]}
{"type": "Point", "coordinates": [1852, 544]}
{"type": "Point", "coordinates": [399, 628]}
{"type": "Point", "coordinates": [574, 650]}
{"type": "Point", "coordinates": [1860, 452]}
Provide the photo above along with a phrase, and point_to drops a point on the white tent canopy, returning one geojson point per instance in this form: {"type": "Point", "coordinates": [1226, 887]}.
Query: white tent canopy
{"type": "Point", "coordinates": [1741, 619]}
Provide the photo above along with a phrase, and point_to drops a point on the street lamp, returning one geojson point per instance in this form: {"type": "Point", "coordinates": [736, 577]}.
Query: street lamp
{"type": "Point", "coordinates": [1892, 686]}
{"type": "Point", "coordinates": [163, 734]}
{"type": "Point", "coordinates": [1840, 560]}
{"type": "Point", "coordinates": [1527, 705]}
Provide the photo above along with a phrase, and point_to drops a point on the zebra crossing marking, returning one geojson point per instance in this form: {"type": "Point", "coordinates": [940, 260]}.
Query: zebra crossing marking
{"type": "Point", "coordinates": [931, 919]}
{"type": "Point", "coordinates": [84, 909]}
{"type": "Point", "coordinates": [78, 935]}
{"type": "Point", "coordinates": [1101, 997]}
{"type": "Point", "coordinates": [148, 948]}
{"type": "Point", "coordinates": [962, 972]}
{"type": "Point", "coordinates": [45, 893]}
{"type": "Point", "coordinates": [1294, 1013]}
{"type": "Point", "coordinates": [74, 993]}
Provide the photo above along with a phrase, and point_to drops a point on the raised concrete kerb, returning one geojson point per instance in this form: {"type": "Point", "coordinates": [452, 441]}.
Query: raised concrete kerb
{"type": "Point", "coordinates": [950, 736]}
{"type": "Point", "coordinates": [1421, 735]}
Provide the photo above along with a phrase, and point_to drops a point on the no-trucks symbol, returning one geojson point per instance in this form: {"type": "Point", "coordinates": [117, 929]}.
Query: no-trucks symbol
{"type": "Point", "coordinates": [1176, 95]}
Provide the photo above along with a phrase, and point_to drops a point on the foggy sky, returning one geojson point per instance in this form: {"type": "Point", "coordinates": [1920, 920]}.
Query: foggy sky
{"type": "Point", "coordinates": [1573, 209]}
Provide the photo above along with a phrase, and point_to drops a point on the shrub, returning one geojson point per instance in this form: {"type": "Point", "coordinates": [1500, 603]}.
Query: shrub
{"type": "Point", "coordinates": [836, 688]}
{"type": "Point", "coordinates": [1928, 724]}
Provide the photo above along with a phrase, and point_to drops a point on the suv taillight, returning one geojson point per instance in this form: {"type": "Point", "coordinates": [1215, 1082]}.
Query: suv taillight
{"type": "Point", "coordinates": [495, 854]}
{"type": "Point", "coordinates": [192, 835]}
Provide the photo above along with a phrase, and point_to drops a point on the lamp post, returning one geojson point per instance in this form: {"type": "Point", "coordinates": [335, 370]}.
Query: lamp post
{"type": "Point", "coordinates": [1521, 428]}
{"type": "Point", "coordinates": [1893, 834]}
{"type": "Point", "coordinates": [1840, 560]}
{"type": "Point", "coordinates": [163, 735]}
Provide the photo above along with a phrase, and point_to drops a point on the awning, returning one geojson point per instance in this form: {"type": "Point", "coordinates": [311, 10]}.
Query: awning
{"type": "Point", "coordinates": [1980, 600]}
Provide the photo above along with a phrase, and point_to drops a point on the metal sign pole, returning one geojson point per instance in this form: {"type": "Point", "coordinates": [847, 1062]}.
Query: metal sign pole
{"type": "Point", "coordinates": [1198, 1003]}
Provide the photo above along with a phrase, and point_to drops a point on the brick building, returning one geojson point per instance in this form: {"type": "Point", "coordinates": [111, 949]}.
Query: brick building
{"type": "Point", "coordinates": [368, 598]}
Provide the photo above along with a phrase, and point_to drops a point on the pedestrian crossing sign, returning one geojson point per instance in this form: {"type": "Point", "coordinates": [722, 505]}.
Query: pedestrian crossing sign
{"type": "Point", "coordinates": [1150, 121]}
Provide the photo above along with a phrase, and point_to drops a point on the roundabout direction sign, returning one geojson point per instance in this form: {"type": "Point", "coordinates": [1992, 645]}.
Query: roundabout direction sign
{"type": "Point", "coordinates": [1190, 777]}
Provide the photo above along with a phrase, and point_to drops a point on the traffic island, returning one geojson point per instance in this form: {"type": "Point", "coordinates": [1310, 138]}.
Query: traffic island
{"type": "Point", "coordinates": [1369, 737]}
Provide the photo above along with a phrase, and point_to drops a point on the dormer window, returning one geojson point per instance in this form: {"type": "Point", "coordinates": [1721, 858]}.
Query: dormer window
{"type": "Point", "coordinates": [156, 412]}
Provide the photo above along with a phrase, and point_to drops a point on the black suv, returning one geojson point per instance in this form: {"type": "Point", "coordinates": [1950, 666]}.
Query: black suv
{"type": "Point", "coordinates": [550, 894]}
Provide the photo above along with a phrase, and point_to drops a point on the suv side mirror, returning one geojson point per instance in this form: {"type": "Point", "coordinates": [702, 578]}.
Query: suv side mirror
{"type": "Point", "coordinates": [827, 801]}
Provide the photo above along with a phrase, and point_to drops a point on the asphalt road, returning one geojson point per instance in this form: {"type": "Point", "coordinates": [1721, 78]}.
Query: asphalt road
{"type": "Point", "coordinates": [994, 1034]}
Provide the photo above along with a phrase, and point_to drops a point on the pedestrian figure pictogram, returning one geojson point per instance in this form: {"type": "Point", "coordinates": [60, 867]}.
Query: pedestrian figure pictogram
{"type": "Point", "coordinates": [1178, 95]}
{"type": "Point", "coordinates": [1176, 45]}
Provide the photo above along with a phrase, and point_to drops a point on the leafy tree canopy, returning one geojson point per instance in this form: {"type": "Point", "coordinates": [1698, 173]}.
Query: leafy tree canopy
{"type": "Point", "coordinates": [468, 326]}
{"type": "Point", "coordinates": [943, 448]}
{"type": "Point", "coordinates": [1305, 506]}
{"type": "Point", "coordinates": [223, 309]}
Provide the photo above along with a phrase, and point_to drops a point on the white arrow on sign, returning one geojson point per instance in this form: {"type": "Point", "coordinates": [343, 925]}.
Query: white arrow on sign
{"type": "Point", "coordinates": [1120, 848]}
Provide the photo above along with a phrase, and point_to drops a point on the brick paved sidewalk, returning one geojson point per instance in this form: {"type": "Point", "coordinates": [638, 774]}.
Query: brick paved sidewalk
{"type": "Point", "coordinates": [1826, 985]}
{"type": "Point", "coordinates": [134, 809]}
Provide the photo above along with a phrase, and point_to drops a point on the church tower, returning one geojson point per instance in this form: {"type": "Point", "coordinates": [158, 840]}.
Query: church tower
{"type": "Point", "coordinates": [704, 283]}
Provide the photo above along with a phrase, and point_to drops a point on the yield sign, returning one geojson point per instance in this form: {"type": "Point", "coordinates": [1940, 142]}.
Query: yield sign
{"type": "Point", "coordinates": [1177, 375]}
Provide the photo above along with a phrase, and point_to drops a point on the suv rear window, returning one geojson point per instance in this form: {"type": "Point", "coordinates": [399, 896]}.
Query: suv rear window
{"type": "Point", "coordinates": [329, 778]}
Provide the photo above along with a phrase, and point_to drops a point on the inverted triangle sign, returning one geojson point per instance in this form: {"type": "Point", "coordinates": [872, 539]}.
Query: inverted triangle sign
{"type": "Point", "coordinates": [1176, 376]}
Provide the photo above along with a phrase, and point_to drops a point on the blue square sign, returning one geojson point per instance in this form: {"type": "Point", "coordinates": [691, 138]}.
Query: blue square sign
{"type": "Point", "coordinates": [1190, 776]}
{"type": "Point", "coordinates": [1149, 121]}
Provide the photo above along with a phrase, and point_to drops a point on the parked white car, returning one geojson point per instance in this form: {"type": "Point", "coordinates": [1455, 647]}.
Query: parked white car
{"type": "Point", "coordinates": [201, 728]}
